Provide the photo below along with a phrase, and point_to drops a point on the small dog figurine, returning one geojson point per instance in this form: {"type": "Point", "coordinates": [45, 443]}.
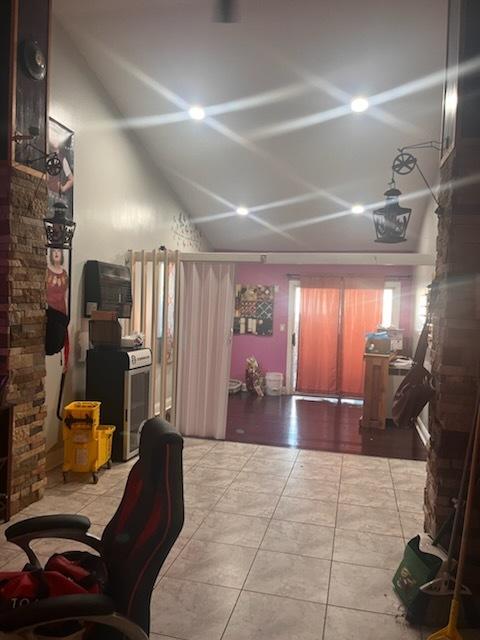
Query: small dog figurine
{"type": "Point", "coordinates": [254, 377]}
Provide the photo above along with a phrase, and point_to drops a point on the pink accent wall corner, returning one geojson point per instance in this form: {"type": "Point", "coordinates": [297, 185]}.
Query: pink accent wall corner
{"type": "Point", "coordinates": [271, 351]}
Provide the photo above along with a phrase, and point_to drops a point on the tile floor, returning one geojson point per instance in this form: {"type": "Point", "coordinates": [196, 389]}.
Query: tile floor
{"type": "Point", "coordinates": [278, 544]}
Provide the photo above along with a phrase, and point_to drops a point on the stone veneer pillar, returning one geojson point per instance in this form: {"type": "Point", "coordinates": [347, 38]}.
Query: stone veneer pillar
{"type": "Point", "coordinates": [456, 343]}
{"type": "Point", "coordinates": [23, 205]}
{"type": "Point", "coordinates": [455, 303]}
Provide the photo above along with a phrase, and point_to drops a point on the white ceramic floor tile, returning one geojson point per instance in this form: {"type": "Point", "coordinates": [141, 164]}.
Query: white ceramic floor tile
{"type": "Point", "coordinates": [346, 624]}
{"type": "Point", "coordinates": [229, 528]}
{"type": "Point", "coordinates": [281, 468]}
{"type": "Point", "coordinates": [411, 500]}
{"type": "Point", "coordinates": [56, 502]}
{"type": "Point", "coordinates": [248, 503]}
{"type": "Point", "coordinates": [14, 562]}
{"type": "Point", "coordinates": [236, 448]}
{"type": "Point", "coordinates": [101, 510]}
{"type": "Point", "coordinates": [175, 551]}
{"type": "Point", "coordinates": [324, 458]}
{"type": "Point", "coordinates": [285, 574]}
{"type": "Point", "coordinates": [412, 524]}
{"type": "Point", "coordinates": [310, 468]}
{"type": "Point", "coordinates": [369, 519]}
{"type": "Point", "coordinates": [222, 565]}
{"type": "Point", "coordinates": [299, 538]}
{"type": "Point", "coordinates": [265, 617]}
{"type": "Point", "coordinates": [367, 495]}
{"type": "Point", "coordinates": [313, 488]}
{"type": "Point", "coordinates": [221, 459]}
{"type": "Point", "coordinates": [368, 549]}
{"type": "Point", "coordinates": [240, 496]}
{"type": "Point", "coordinates": [364, 588]}
{"type": "Point", "coordinates": [405, 481]}
{"type": "Point", "coordinates": [308, 511]}
{"type": "Point", "coordinates": [193, 519]}
{"type": "Point", "coordinates": [201, 497]}
{"type": "Point", "coordinates": [209, 476]}
{"type": "Point", "coordinates": [258, 483]}
{"type": "Point", "coordinates": [365, 463]}
{"type": "Point", "coordinates": [410, 467]}
{"type": "Point", "coordinates": [195, 454]}
{"type": "Point", "coordinates": [191, 611]}
{"type": "Point", "coordinates": [357, 476]}
{"type": "Point", "coordinates": [276, 453]}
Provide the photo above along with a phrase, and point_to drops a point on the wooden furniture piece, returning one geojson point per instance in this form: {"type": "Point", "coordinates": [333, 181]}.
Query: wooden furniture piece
{"type": "Point", "coordinates": [375, 391]}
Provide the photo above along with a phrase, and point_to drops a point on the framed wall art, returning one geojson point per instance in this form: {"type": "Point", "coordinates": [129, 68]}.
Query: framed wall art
{"type": "Point", "coordinates": [60, 187]}
{"type": "Point", "coordinates": [253, 309]}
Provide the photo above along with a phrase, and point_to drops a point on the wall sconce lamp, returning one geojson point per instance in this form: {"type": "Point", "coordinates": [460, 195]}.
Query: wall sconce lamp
{"type": "Point", "coordinates": [59, 229]}
{"type": "Point", "coordinates": [391, 220]}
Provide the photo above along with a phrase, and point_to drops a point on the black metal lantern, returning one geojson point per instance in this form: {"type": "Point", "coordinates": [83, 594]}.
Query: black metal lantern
{"type": "Point", "coordinates": [59, 229]}
{"type": "Point", "coordinates": [391, 221]}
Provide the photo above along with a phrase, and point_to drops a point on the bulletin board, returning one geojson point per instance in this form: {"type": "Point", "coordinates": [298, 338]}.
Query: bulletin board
{"type": "Point", "coordinates": [253, 309]}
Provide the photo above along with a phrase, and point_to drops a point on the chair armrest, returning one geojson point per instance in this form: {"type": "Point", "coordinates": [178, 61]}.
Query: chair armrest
{"type": "Point", "coordinates": [68, 527]}
{"type": "Point", "coordinates": [42, 524]}
{"type": "Point", "coordinates": [51, 610]}
{"type": "Point", "coordinates": [83, 608]}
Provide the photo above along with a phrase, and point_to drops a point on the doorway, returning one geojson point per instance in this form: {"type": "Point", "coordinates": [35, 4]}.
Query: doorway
{"type": "Point", "coordinates": [328, 320]}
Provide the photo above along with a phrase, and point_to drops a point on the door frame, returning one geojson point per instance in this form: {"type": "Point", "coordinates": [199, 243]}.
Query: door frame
{"type": "Point", "coordinates": [289, 383]}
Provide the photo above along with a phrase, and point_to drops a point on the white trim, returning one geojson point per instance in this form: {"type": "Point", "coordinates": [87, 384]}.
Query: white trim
{"type": "Point", "coordinates": [423, 432]}
{"type": "Point", "coordinates": [385, 259]}
{"type": "Point", "coordinates": [292, 285]}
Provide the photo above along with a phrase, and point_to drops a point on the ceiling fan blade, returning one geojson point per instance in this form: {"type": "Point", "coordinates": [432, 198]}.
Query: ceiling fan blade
{"type": "Point", "coordinates": [226, 11]}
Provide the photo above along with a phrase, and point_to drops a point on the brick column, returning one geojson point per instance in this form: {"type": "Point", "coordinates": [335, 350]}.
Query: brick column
{"type": "Point", "coordinates": [23, 205]}
{"type": "Point", "coordinates": [456, 343]}
{"type": "Point", "coordinates": [456, 298]}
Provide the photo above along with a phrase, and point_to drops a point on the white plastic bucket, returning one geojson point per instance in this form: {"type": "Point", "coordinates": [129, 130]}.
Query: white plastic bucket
{"type": "Point", "coordinates": [274, 382]}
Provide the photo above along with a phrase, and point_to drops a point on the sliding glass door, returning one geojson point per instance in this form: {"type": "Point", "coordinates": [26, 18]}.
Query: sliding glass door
{"type": "Point", "coordinates": [332, 322]}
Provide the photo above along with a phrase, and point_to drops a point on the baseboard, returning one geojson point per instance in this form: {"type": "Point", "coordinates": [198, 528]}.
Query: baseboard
{"type": "Point", "coordinates": [54, 457]}
{"type": "Point", "coordinates": [423, 432]}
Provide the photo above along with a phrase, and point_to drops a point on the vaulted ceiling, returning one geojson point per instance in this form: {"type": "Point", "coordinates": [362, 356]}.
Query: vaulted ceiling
{"type": "Point", "coordinates": [279, 136]}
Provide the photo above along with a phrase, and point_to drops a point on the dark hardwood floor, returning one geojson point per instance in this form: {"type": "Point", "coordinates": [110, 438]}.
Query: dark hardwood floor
{"type": "Point", "coordinates": [315, 424]}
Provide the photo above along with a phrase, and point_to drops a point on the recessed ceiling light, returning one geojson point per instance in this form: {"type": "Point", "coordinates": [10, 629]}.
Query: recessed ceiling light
{"type": "Point", "coordinates": [196, 112]}
{"type": "Point", "coordinates": [358, 208]}
{"type": "Point", "coordinates": [359, 104]}
{"type": "Point", "coordinates": [242, 211]}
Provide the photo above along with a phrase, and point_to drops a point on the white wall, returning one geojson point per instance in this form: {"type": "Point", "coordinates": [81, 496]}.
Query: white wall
{"type": "Point", "coordinates": [121, 201]}
{"type": "Point", "coordinates": [422, 277]}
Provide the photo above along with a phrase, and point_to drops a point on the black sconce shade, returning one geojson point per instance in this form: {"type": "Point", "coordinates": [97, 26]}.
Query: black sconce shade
{"type": "Point", "coordinates": [391, 221]}
{"type": "Point", "coordinates": [59, 229]}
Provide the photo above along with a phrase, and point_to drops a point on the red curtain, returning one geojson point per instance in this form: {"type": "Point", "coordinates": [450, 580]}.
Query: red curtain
{"type": "Point", "coordinates": [318, 340]}
{"type": "Point", "coordinates": [362, 312]}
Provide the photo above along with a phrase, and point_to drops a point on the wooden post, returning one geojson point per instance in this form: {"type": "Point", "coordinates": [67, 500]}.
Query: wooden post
{"type": "Point", "coordinates": [375, 391]}
{"type": "Point", "coordinates": [153, 331]}
{"type": "Point", "coordinates": [175, 338]}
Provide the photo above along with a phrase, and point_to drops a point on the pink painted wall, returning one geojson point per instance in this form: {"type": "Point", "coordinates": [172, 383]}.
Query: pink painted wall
{"type": "Point", "coordinates": [271, 351]}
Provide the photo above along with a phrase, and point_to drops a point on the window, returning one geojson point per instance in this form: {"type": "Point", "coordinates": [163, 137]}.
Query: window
{"type": "Point", "coordinates": [391, 304]}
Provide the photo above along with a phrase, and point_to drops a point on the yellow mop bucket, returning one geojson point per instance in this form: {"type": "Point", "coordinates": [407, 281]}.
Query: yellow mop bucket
{"type": "Point", "coordinates": [87, 445]}
{"type": "Point", "coordinates": [82, 412]}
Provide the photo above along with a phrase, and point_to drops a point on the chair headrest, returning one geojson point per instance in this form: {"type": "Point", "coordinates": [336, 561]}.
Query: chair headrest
{"type": "Point", "coordinates": [155, 435]}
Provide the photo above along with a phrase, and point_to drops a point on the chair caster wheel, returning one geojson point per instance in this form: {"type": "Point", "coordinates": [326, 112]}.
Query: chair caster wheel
{"type": "Point", "coordinates": [109, 464]}
{"type": "Point", "coordinates": [95, 478]}
{"type": "Point", "coordinates": [65, 477]}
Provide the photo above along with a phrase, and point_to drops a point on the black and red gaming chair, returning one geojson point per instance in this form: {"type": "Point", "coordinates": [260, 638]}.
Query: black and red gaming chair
{"type": "Point", "coordinates": [133, 546]}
